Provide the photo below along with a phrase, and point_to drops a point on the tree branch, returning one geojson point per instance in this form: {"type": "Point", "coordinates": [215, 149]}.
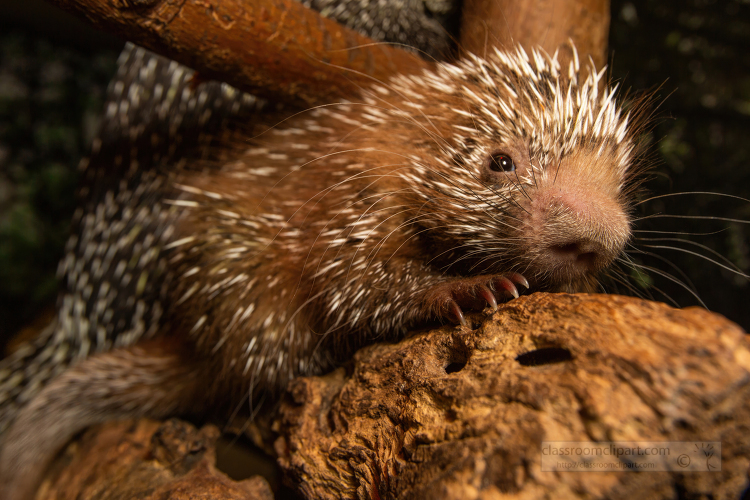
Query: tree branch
{"type": "Point", "coordinates": [545, 23]}
{"type": "Point", "coordinates": [276, 49]}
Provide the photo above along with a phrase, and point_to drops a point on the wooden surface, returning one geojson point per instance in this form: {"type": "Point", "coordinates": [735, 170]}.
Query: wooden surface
{"type": "Point", "coordinates": [146, 460]}
{"type": "Point", "coordinates": [546, 23]}
{"type": "Point", "coordinates": [461, 414]}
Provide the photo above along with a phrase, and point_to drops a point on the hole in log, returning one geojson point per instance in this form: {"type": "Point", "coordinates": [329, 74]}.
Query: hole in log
{"type": "Point", "coordinates": [239, 459]}
{"type": "Point", "coordinates": [544, 356]}
{"type": "Point", "coordinates": [457, 355]}
{"type": "Point", "coordinates": [455, 366]}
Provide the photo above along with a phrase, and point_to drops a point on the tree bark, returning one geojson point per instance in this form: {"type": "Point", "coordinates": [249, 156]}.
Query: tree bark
{"type": "Point", "coordinates": [458, 413]}
{"type": "Point", "coordinates": [549, 24]}
{"type": "Point", "coordinates": [280, 50]}
{"type": "Point", "coordinates": [146, 460]}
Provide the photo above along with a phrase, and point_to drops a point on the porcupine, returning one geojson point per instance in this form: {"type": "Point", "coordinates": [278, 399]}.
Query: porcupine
{"type": "Point", "coordinates": [356, 222]}
{"type": "Point", "coordinates": [156, 116]}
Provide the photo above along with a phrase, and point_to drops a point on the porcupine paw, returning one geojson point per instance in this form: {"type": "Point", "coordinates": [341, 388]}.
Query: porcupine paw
{"type": "Point", "coordinates": [450, 300]}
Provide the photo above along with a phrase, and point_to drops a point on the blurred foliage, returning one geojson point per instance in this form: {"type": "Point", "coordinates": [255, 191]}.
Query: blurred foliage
{"type": "Point", "coordinates": [693, 51]}
{"type": "Point", "coordinates": [50, 100]}
{"type": "Point", "coordinates": [694, 54]}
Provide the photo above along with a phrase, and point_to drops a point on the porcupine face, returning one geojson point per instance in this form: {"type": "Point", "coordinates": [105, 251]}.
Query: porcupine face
{"type": "Point", "coordinates": [532, 177]}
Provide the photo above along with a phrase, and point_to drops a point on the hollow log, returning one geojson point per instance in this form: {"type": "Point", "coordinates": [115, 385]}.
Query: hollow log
{"type": "Point", "coordinates": [146, 460]}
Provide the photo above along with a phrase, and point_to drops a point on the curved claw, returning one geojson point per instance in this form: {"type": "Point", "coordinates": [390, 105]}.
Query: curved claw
{"type": "Point", "coordinates": [487, 295]}
{"type": "Point", "coordinates": [458, 313]}
{"type": "Point", "coordinates": [508, 285]}
{"type": "Point", "coordinates": [520, 280]}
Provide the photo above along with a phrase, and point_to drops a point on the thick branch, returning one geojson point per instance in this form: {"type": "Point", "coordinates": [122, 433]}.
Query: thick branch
{"type": "Point", "coordinates": [462, 414]}
{"type": "Point", "coordinates": [276, 49]}
{"type": "Point", "coordinates": [545, 23]}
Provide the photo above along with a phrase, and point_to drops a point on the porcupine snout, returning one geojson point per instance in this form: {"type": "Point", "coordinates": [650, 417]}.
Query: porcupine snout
{"type": "Point", "coordinates": [574, 230]}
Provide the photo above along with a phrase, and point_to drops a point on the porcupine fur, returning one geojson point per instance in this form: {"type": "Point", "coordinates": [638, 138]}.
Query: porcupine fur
{"type": "Point", "coordinates": [155, 118]}
{"type": "Point", "coordinates": [355, 222]}
{"type": "Point", "coordinates": [114, 279]}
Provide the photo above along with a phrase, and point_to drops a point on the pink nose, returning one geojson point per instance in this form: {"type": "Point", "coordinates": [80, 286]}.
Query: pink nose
{"type": "Point", "coordinates": [572, 233]}
{"type": "Point", "coordinates": [588, 255]}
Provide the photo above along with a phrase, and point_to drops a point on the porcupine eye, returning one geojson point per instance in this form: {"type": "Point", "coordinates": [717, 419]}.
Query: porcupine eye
{"type": "Point", "coordinates": [500, 162]}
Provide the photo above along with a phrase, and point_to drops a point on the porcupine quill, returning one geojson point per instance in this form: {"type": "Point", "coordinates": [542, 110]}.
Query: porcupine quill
{"type": "Point", "coordinates": [305, 239]}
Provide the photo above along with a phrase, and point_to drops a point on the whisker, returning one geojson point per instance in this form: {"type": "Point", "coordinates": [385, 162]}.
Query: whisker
{"type": "Point", "coordinates": [736, 270]}
{"type": "Point", "coordinates": [674, 280]}
{"type": "Point", "coordinates": [668, 262]}
{"type": "Point", "coordinates": [712, 233]}
{"type": "Point", "coordinates": [685, 193]}
{"type": "Point", "coordinates": [632, 289]}
{"type": "Point", "coordinates": [371, 256]}
{"type": "Point", "coordinates": [691, 217]}
{"type": "Point", "coordinates": [636, 267]}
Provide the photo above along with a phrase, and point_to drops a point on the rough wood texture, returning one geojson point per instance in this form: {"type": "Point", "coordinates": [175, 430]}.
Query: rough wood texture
{"type": "Point", "coordinates": [276, 49]}
{"type": "Point", "coordinates": [146, 460]}
{"type": "Point", "coordinates": [549, 23]}
{"type": "Point", "coordinates": [454, 414]}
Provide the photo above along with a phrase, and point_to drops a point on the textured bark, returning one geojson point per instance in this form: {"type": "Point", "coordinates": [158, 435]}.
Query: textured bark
{"type": "Point", "coordinates": [276, 49]}
{"type": "Point", "coordinates": [545, 23]}
{"type": "Point", "coordinates": [460, 413]}
{"type": "Point", "coordinates": [146, 460]}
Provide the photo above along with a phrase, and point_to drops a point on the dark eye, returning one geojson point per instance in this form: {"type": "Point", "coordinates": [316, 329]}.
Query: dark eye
{"type": "Point", "coordinates": [500, 162]}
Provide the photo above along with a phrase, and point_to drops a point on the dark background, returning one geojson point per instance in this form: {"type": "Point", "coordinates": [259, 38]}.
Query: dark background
{"type": "Point", "coordinates": [54, 71]}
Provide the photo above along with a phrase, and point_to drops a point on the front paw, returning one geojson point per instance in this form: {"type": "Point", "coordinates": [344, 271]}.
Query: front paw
{"type": "Point", "coordinates": [450, 300]}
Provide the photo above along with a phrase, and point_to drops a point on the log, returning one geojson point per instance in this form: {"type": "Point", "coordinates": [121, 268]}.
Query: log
{"type": "Point", "coordinates": [461, 413]}
{"type": "Point", "coordinates": [146, 460]}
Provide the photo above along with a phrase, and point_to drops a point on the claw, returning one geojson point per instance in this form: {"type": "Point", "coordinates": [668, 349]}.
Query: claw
{"type": "Point", "coordinates": [487, 295]}
{"type": "Point", "coordinates": [520, 280]}
{"type": "Point", "coordinates": [508, 285]}
{"type": "Point", "coordinates": [458, 313]}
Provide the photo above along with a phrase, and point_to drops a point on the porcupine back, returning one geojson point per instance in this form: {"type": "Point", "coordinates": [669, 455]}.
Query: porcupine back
{"type": "Point", "coordinates": [113, 277]}
{"type": "Point", "coordinates": [157, 116]}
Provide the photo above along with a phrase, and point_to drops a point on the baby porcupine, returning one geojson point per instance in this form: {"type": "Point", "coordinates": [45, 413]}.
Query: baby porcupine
{"type": "Point", "coordinates": [352, 223]}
